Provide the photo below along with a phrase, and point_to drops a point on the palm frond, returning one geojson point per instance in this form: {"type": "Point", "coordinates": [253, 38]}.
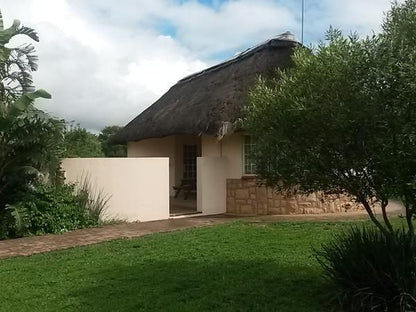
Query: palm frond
{"type": "Point", "coordinates": [30, 32]}
{"type": "Point", "coordinates": [1, 22]}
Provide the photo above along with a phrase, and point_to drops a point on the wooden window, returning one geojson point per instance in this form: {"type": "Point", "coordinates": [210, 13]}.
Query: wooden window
{"type": "Point", "coordinates": [248, 149]}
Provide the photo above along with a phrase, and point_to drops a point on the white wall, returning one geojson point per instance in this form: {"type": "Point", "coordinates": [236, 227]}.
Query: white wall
{"type": "Point", "coordinates": [211, 185]}
{"type": "Point", "coordinates": [157, 147]}
{"type": "Point", "coordinates": [229, 148]}
{"type": "Point", "coordinates": [139, 187]}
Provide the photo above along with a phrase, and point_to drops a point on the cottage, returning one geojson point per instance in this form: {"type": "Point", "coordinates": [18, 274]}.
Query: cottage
{"type": "Point", "coordinates": [195, 125]}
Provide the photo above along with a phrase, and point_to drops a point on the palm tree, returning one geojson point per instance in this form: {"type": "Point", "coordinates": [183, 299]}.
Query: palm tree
{"type": "Point", "coordinates": [16, 63]}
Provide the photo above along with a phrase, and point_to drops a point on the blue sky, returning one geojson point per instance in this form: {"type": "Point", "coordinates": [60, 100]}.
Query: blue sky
{"type": "Point", "coordinates": [104, 61]}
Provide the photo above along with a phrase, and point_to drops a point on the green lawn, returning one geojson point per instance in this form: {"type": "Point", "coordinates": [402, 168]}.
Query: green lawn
{"type": "Point", "coordinates": [233, 267]}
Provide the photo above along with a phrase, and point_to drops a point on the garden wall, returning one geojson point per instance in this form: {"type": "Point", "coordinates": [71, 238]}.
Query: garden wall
{"type": "Point", "coordinates": [211, 185]}
{"type": "Point", "coordinates": [139, 187]}
{"type": "Point", "coordinates": [244, 196]}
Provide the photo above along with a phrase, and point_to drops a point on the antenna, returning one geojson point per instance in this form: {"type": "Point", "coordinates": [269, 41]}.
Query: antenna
{"type": "Point", "coordinates": [303, 18]}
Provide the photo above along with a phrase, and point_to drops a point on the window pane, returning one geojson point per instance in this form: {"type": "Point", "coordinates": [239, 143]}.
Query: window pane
{"type": "Point", "coordinates": [248, 149]}
{"type": "Point", "coordinates": [189, 161]}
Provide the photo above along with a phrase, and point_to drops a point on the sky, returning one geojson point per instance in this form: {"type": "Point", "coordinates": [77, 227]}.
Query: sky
{"type": "Point", "coordinates": [106, 61]}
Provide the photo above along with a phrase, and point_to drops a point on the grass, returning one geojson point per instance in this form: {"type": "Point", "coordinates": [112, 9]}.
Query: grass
{"type": "Point", "coordinates": [234, 267]}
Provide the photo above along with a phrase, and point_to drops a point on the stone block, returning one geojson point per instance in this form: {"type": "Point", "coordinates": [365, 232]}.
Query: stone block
{"type": "Point", "coordinates": [231, 205]}
{"type": "Point", "coordinates": [247, 209]}
{"type": "Point", "coordinates": [311, 197]}
{"type": "Point", "coordinates": [293, 207]}
{"type": "Point", "coordinates": [242, 194]}
{"type": "Point", "coordinates": [261, 192]}
{"type": "Point", "coordinates": [274, 211]}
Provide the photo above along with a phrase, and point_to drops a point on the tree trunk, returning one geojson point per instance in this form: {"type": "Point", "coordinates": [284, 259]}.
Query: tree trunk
{"type": "Point", "coordinates": [374, 219]}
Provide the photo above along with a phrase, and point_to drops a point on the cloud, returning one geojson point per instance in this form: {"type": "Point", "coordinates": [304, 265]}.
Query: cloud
{"type": "Point", "coordinates": [105, 61]}
{"type": "Point", "coordinates": [98, 78]}
{"type": "Point", "coordinates": [232, 25]}
{"type": "Point", "coordinates": [363, 17]}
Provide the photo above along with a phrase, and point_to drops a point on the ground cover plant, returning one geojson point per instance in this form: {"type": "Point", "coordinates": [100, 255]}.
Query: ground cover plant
{"type": "Point", "coordinates": [371, 271]}
{"type": "Point", "coordinates": [233, 267]}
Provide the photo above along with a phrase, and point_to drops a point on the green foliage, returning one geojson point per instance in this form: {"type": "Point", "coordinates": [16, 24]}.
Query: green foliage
{"type": "Point", "coordinates": [371, 272]}
{"type": "Point", "coordinates": [48, 209]}
{"type": "Point", "coordinates": [81, 143]}
{"type": "Point", "coordinates": [30, 148]}
{"type": "Point", "coordinates": [54, 209]}
{"type": "Point", "coordinates": [16, 63]}
{"type": "Point", "coordinates": [93, 201]}
{"type": "Point", "coordinates": [30, 140]}
{"type": "Point", "coordinates": [343, 119]}
{"type": "Point", "coordinates": [111, 150]}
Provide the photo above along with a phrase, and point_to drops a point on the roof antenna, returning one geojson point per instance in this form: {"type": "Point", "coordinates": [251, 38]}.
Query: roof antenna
{"type": "Point", "coordinates": [303, 18]}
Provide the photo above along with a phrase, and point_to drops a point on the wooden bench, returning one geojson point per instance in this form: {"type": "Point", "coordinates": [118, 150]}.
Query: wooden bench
{"type": "Point", "coordinates": [188, 186]}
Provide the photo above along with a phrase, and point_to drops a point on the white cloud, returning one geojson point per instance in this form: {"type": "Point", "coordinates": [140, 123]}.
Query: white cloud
{"type": "Point", "coordinates": [231, 25]}
{"type": "Point", "coordinates": [361, 16]}
{"type": "Point", "coordinates": [99, 78]}
{"type": "Point", "coordinates": [105, 61]}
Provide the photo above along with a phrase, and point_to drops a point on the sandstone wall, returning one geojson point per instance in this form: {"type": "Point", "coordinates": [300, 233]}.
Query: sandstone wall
{"type": "Point", "coordinates": [244, 196]}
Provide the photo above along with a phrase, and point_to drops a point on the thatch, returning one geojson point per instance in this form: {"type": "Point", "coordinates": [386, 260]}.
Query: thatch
{"type": "Point", "coordinates": [210, 101]}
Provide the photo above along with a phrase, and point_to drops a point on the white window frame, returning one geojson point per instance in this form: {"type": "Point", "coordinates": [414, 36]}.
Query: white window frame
{"type": "Point", "coordinates": [249, 168]}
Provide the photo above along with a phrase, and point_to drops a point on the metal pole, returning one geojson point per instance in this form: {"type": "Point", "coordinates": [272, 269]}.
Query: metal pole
{"type": "Point", "coordinates": [303, 18]}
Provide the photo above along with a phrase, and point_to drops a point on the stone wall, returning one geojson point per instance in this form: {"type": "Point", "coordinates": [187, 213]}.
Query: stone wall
{"type": "Point", "coordinates": [244, 196]}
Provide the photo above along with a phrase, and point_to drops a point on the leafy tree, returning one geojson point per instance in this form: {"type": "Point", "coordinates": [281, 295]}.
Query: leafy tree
{"type": "Point", "coordinates": [394, 88]}
{"type": "Point", "coordinates": [81, 143]}
{"type": "Point", "coordinates": [343, 119]}
{"type": "Point", "coordinates": [30, 140]}
{"type": "Point", "coordinates": [111, 150]}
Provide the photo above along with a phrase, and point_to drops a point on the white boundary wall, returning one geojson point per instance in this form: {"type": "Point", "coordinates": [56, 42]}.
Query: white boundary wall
{"type": "Point", "coordinates": [211, 185]}
{"type": "Point", "coordinates": [139, 187]}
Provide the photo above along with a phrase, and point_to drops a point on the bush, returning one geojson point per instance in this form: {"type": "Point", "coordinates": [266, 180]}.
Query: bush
{"type": "Point", "coordinates": [371, 272]}
{"type": "Point", "coordinates": [52, 209]}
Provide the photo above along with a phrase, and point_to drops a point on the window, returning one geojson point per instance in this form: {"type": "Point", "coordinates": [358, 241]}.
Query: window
{"type": "Point", "coordinates": [190, 153]}
{"type": "Point", "coordinates": [248, 149]}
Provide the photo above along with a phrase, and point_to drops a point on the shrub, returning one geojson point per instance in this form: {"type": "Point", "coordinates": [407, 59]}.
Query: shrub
{"type": "Point", "coordinates": [52, 209]}
{"type": "Point", "coordinates": [371, 271]}
{"type": "Point", "coordinates": [93, 201]}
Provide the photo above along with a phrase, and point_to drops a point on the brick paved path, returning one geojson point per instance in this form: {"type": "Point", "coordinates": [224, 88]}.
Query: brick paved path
{"type": "Point", "coordinates": [38, 244]}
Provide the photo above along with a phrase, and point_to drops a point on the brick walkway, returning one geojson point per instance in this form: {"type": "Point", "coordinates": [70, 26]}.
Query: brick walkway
{"type": "Point", "coordinates": [38, 244]}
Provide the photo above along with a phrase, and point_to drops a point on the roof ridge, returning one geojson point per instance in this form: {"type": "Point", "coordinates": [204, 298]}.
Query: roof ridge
{"type": "Point", "coordinates": [286, 37]}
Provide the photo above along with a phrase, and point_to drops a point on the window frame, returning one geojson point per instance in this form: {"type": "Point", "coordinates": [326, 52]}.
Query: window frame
{"type": "Point", "coordinates": [249, 168]}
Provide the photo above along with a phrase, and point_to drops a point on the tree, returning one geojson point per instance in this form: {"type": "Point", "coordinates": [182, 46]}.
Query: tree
{"type": "Point", "coordinates": [343, 119]}
{"type": "Point", "coordinates": [16, 63]}
{"type": "Point", "coordinates": [30, 140]}
{"type": "Point", "coordinates": [111, 150]}
{"type": "Point", "coordinates": [81, 143]}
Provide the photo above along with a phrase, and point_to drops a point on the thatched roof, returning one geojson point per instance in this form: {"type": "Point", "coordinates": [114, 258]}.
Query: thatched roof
{"type": "Point", "coordinates": [209, 101]}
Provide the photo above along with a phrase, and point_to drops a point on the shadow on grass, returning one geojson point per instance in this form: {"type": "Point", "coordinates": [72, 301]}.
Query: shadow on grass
{"type": "Point", "coordinates": [203, 286]}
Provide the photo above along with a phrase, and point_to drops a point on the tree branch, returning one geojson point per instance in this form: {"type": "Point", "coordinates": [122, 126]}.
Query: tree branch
{"type": "Point", "coordinates": [374, 219]}
{"type": "Point", "coordinates": [409, 216]}
{"type": "Point", "coordinates": [384, 203]}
